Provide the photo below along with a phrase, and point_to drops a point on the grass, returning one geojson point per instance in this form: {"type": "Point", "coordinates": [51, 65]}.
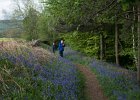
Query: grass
{"type": "Point", "coordinates": [11, 39]}
{"type": "Point", "coordinates": [9, 75]}
{"type": "Point", "coordinates": [6, 39]}
{"type": "Point", "coordinates": [81, 86]}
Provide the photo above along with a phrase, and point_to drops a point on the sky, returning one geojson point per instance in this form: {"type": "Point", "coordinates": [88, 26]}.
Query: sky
{"type": "Point", "coordinates": [6, 8]}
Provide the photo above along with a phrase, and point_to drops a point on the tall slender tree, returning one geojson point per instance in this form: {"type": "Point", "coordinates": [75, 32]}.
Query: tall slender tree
{"type": "Point", "coordinates": [138, 31]}
{"type": "Point", "coordinates": [101, 46]}
{"type": "Point", "coordinates": [133, 36]}
{"type": "Point", "coordinates": [116, 42]}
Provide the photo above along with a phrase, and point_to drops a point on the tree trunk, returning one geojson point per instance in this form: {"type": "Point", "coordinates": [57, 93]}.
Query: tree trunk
{"type": "Point", "coordinates": [138, 30]}
{"type": "Point", "coordinates": [134, 45]}
{"type": "Point", "coordinates": [134, 48]}
{"type": "Point", "coordinates": [116, 43]}
{"type": "Point", "coordinates": [101, 46]}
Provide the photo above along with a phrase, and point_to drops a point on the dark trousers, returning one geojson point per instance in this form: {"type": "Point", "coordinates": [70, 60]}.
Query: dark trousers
{"type": "Point", "coordinates": [53, 50]}
{"type": "Point", "coordinates": [61, 53]}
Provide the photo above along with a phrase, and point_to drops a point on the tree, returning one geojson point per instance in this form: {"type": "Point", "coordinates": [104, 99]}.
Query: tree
{"type": "Point", "coordinates": [138, 31]}
{"type": "Point", "coordinates": [27, 12]}
{"type": "Point", "coordinates": [116, 43]}
{"type": "Point", "coordinates": [101, 46]}
{"type": "Point", "coordinates": [30, 24]}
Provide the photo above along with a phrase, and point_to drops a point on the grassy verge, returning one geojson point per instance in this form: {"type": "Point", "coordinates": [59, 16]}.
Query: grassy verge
{"type": "Point", "coordinates": [81, 86]}
{"type": "Point", "coordinates": [106, 84]}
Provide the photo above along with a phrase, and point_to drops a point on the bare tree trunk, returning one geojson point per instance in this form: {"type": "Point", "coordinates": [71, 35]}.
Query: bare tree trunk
{"type": "Point", "coordinates": [138, 30]}
{"type": "Point", "coordinates": [101, 46]}
{"type": "Point", "coordinates": [134, 47]}
{"type": "Point", "coordinates": [116, 44]}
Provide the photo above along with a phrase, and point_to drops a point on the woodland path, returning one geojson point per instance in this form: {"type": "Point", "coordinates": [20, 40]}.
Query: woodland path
{"type": "Point", "coordinates": [92, 88]}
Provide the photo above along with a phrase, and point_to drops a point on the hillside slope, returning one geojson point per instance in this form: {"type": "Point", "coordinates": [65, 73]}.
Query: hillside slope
{"type": "Point", "coordinates": [10, 28]}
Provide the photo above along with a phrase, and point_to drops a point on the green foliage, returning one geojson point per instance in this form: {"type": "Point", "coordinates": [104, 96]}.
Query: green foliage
{"type": "Point", "coordinates": [59, 16]}
{"type": "Point", "coordinates": [92, 45]}
{"type": "Point", "coordinates": [30, 24]}
{"type": "Point", "coordinates": [84, 42]}
{"type": "Point", "coordinates": [42, 27]}
{"type": "Point", "coordinates": [90, 14]}
{"type": "Point", "coordinates": [126, 4]}
{"type": "Point", "coordinates": [72, 11]}
{"type": "Point", "coordinates": [45, 28]}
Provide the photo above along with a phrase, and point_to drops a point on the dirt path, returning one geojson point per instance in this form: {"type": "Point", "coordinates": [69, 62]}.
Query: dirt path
{"type": "Point", "coordinates": [92, 88]}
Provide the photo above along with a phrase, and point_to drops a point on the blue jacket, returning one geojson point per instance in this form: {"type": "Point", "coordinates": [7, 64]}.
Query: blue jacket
{"type": "Point", "coordinates": [61, 46]}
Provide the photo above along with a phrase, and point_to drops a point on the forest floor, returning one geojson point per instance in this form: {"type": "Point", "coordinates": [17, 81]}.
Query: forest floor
{"type": "Point", "coordinates": [92, 90]}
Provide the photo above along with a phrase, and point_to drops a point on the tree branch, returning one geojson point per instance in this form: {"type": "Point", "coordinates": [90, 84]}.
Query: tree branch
{"type": "Point", "coordinates": [106, 7]}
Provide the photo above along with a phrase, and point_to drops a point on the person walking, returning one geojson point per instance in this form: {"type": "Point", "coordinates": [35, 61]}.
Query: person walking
{"type": "Point", "coordinates": [61, 48]}
{"type": "Point", "coordinates": [54, 47]}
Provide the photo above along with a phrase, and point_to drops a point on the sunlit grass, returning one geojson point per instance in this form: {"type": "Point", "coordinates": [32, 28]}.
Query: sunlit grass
{"type": "Point", "coordinates": [11, 39]}
{"type": "Point", "coordinates": [6, 39]}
